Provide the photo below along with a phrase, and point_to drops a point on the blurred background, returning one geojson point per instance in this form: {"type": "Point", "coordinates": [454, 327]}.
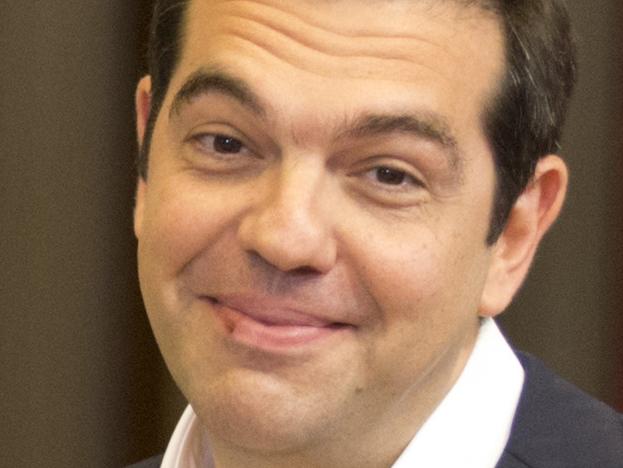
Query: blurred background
{"type": "Point", "coordinates": [82, 383]}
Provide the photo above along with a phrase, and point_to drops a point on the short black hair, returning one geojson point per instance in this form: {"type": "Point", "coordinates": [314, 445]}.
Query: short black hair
{"type": "Point", "coordinates": [523, 122]}
{"type": "Point", "coordinates": [164, 48]}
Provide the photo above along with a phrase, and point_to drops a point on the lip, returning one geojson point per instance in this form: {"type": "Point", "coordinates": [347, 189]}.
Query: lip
{"type": "Point", "coordinates": [271, 325]}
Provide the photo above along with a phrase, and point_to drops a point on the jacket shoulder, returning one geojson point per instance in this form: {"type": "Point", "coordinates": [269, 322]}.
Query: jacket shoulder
{"type": "Point", "coordinates": [557, 425]}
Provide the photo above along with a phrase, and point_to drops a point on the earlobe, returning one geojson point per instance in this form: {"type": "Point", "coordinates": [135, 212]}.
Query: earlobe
{"type": "Point", "coordinates": [532, 215]}
{"type": "Point", "coordinates": [142, 103]}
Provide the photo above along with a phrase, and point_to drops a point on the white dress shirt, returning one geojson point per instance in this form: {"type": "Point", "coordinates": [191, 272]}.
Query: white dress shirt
{"type": "Point", "coordinates": [469, 428]}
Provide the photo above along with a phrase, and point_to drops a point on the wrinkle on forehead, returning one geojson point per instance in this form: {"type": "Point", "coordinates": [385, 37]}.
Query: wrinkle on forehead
{"type": "Point", "coordinates": [335, 14]}
{"type": "Point", "coordinates": [340, 28]}
{"type": "Point", "coordinates": [326, 41]}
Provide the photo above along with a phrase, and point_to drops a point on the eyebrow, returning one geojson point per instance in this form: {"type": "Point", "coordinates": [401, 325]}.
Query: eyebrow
{"type": "Point", "coordinates": [427, 125]}
{"type": "Point", "coordinates": [204, 81]}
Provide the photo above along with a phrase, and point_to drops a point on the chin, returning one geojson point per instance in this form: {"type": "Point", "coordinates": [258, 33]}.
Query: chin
{"type": "Point", "coordinates": [261, 413]}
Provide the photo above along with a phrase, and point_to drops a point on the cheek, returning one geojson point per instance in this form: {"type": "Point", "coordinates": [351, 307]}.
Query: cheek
{"type": "Point", "coordinates": [425, 286]}
{"type": "Point", "coordinates": [427, 304]}
{"type": "Point", "coordinates": [397, 268]}
{"type": "Point", "coordinates": [181, 220]}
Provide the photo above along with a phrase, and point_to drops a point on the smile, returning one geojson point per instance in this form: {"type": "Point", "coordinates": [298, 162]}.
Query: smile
{"type": "Point", "coordinates": [271, 326]}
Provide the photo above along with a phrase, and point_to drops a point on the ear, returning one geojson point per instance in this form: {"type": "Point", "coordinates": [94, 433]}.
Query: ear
{"type": "Point", "coordinates": [533, 213]}
{"type": "Point", "coordinates": [143, 107]}
{"type": "Point", "coordinates": [142, 104]}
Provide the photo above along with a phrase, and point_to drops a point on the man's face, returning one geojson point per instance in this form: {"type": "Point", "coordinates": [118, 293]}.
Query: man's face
{"type": "Point", "coordinates": [312, 229]}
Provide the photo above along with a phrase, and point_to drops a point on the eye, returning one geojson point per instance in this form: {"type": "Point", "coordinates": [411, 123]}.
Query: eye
{"type": "Point", "coordinates": [227, 144]}
{"type": "Point", "coordinates": [219, 143]}
{"type": "Point", "coordinates": [390, 176]}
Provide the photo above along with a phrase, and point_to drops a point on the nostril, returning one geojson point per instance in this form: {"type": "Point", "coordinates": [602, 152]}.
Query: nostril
{"type": "Point", "coordinates": [261, 262]}
{"type": "Point", "coordinates": [304, 271]}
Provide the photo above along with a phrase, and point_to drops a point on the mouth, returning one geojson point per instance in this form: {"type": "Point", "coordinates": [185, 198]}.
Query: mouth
{"type": "Point", "coordinates": [271, 326]}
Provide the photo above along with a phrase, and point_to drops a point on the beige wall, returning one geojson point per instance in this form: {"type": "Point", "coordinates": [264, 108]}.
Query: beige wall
{"type": "Point", "coordinates": [81, 381]}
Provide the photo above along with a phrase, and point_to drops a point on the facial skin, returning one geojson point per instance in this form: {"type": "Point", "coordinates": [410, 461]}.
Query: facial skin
{"type": "Point", "coordinates": [312, 229]}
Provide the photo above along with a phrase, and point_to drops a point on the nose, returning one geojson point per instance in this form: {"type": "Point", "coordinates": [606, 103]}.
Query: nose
{"type": "Point", "coordinates": [289, 226]}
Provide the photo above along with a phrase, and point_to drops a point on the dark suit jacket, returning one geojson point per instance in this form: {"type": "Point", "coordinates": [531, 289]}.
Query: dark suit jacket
{"type": "Point", "coordinates": [559, 426]}
{"type": "Point", "coordinates": [556, 426]}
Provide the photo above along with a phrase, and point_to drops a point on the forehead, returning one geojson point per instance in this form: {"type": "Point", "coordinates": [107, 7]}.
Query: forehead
{"type": "Point", "coordinates": [355, 31]}
{"type": "Point", "coordinates": [442, 56]}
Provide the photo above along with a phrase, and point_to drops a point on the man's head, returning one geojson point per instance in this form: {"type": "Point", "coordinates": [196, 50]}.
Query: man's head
{"type": "Point", "coordinates": [523, 121]}
{"type": "Point", "coordinates": [312, 228]}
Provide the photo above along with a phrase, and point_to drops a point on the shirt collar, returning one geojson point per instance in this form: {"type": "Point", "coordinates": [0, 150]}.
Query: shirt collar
{"type": "Point", "coordinates": [469, 428]}
{"type": "Point", "coordinates": [472, 424]}
{"type": "Point", "coordinates": [186, 447]}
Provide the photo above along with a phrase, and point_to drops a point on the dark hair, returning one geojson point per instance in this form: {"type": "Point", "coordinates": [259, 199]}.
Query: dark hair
{"type": "Point", "coordinates": [523, 122]}
{"type": "Point", "coordinates": [166, 38]}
